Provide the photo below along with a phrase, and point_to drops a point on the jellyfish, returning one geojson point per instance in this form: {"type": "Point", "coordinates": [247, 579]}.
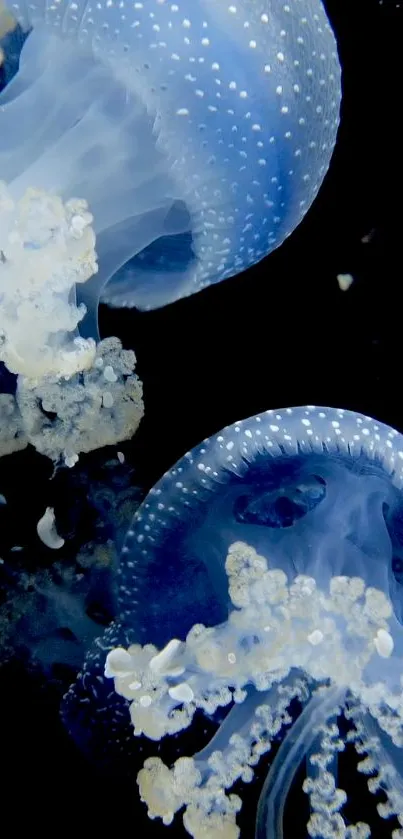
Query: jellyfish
{"type": "Point", "coordinates": [263, 571]}
{"type": "Point", "coordinates": [196, 134]}
{"type": "Point", "coordinates": [146, 151]}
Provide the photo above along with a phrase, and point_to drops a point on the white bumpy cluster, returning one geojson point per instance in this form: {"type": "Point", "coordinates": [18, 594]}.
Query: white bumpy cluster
{"type": "Point", "coordinates": [46, 247]}
{"type": "Point", "coordinates": [72, 395]}
{"type": "Point", "coordinates": [277, 628]}
{"type": "Point", "coordinates": [97, 407]}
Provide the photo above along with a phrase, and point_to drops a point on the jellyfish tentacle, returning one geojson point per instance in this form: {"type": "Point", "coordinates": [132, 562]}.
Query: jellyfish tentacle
{"type": "Point", "coordinates": [282, 771]}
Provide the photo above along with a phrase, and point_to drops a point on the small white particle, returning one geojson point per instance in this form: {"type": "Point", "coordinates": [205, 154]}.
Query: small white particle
{"type": "Point", "coordinates": [109, 374]}
{"type": "Point", "coordinates": [383, 643]}
{"type": "Point", "coordinates": [46, 530]}
{"type": "Point", "coordinates": [345, 281]}
{"type": "Point", "coordinates": [107, 399]}
{"type": "Point", "coordinates": [181, 693]}
{"type": "Point", "coordinates": [316, 637]}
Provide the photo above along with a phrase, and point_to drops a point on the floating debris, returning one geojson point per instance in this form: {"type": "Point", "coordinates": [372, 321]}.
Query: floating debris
{"type": "Point", "coordinates": [46, 530]}
{"type": "Point", "coordinates": [345, 281]}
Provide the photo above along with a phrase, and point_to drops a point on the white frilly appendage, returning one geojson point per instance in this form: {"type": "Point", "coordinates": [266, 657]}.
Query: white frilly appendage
{"type": "Point", "coordinates": [46, 247]}
{"type": "Point", "coordinates": [98, 407]}
{"type": "Point", "coordinates": [288, 639]}
{"type": "Point", "coordinates": [72, 394]}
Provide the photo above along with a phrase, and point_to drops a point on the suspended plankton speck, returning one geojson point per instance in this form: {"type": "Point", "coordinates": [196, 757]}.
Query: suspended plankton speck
{"type": "Point", "coordinates": [46, 530]}
{"type": "Point", "coordinates": [345, 281]}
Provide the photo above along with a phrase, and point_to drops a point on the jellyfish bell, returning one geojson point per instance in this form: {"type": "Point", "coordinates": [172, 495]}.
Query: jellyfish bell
{"type": "Point", "coordinates": [319, 489]}
{"type": "Point", "coordinates": [209, 123]}
{"type": "Point", "coordinates": [262, 569]}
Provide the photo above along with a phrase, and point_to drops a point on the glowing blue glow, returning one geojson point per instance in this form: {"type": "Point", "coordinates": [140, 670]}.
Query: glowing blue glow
{"type": "Point", "coordinates": [290, 504]}
{"type": "Point", "coordinates": [207, 124]}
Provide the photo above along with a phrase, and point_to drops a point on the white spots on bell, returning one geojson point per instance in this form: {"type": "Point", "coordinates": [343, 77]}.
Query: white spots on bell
{"type": "Point", "coordinates": [204, 85]}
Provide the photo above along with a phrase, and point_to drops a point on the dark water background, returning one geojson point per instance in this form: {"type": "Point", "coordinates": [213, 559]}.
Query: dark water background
{"type": "Point", "coordinates": [281, 334]}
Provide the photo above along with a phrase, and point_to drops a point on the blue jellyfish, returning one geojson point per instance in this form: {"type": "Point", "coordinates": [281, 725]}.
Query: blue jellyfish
{"type": "Point", "coordinates": [262, 573]}
{"type": "Point", "coordinates": [196, 133]}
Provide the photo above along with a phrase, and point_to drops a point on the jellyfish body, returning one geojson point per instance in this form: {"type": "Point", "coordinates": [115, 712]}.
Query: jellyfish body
{"type": "Point", "coordinates": [208, 123]}
{"type": "Point", "coordinates": [263, 569]}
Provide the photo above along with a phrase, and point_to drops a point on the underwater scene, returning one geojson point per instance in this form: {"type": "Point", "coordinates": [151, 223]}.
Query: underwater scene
{"type": "Point", "coordinates": [201, 429]}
